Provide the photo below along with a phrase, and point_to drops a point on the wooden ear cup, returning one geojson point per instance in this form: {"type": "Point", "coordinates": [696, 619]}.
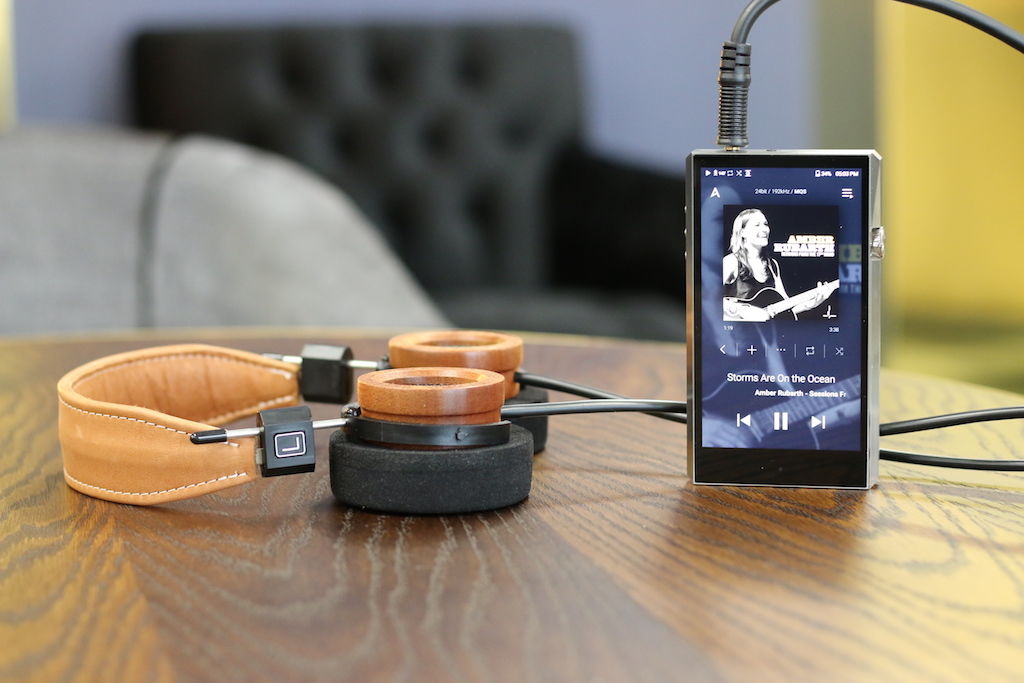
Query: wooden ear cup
{"type": "Point", "coordinates": [434, 395]}
{"type": "Point", "coordinates": [501, 353]}
{"type": "Point", "coordinates": [400, 478]}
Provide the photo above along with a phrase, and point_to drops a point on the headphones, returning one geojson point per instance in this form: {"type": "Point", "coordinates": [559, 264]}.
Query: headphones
{"type": "Point", "coordinates": [446, 424]}
{"type": "Point", "coordinates": [427, 435]}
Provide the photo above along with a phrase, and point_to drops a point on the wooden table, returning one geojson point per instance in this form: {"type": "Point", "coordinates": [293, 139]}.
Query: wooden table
{"type": "Point", "coordinates": [615, 568]}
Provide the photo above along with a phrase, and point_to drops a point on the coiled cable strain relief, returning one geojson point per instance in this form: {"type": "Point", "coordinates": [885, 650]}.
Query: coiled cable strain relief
{"type": "Point", "coordinates": [733, 91]}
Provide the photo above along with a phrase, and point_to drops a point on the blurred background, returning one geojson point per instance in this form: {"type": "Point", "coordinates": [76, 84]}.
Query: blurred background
{"type": "Point", "coordinates": [523, 160]}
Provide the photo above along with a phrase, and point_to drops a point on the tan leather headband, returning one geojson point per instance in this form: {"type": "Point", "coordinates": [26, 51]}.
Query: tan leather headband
{"type": "Point", "coordinates": [124, 420]}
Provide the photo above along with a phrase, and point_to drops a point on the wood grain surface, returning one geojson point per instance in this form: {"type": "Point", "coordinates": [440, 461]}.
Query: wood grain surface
{"type": "Point", "coordinates": [615, 568]}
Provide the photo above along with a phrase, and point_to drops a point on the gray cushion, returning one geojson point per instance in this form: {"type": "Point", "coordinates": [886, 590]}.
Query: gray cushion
{"type": "Point", "coordinates": [71, 203]}
{"type": "Point", "coordinates": [108, 229]}
{"type": "Point", "coordinates": [245, 237]}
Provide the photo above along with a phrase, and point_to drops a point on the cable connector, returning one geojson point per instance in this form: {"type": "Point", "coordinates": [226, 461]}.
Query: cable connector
{"type": "Point", "coordinates": [733, 90]}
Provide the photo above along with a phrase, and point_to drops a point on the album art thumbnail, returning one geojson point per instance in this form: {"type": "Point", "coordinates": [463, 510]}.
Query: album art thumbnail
{"type": "Point", "coordinates": [781, 262]}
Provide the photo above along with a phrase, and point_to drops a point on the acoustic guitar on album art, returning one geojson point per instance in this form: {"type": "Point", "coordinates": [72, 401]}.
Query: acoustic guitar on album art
{"type": "Point", "coordinates": [769, 302]}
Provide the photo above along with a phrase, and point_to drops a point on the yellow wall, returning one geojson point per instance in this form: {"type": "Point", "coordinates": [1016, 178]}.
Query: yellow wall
{"type": "Point", "coordinates": [6, 65]}
{"type": "Point", "coordinates": [951, 123]}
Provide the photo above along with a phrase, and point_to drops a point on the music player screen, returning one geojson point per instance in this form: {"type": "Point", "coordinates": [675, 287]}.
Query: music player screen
{"type": "Point", "coordinates": [781, 304]}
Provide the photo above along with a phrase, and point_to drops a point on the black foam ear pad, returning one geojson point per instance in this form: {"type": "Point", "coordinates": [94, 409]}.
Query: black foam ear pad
{"type": "Point", "coordinates": [538, 426]}
{"type": "Point", "coordinates": [431, 482]}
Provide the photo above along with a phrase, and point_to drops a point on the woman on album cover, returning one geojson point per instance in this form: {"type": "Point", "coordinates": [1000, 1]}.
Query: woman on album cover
{"type": "Point", "coordinates": [747, 271]}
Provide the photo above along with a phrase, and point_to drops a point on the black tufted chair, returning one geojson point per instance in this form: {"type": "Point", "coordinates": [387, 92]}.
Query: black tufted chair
{"type": "Point", "coordinates": [462, 144]}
